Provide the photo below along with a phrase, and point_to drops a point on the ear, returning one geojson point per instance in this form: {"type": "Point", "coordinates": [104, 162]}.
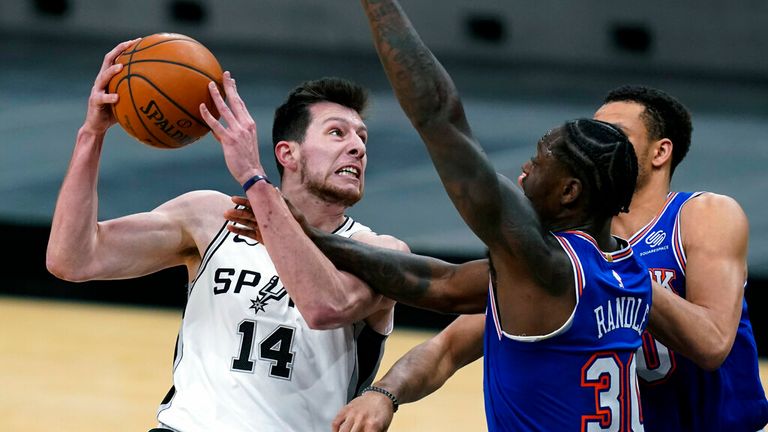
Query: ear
{"type": "Point", "coordinates": [286, 153]}
{"type": "Point", "coordinates": [570, 191]}
{"type": "Point", "coordinates": [662, 152]}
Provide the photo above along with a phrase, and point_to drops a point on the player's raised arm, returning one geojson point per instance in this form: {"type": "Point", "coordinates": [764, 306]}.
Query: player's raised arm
{"type": "Point", "coordinates": [431, 101]}
{"type": "Point", "coordinates": [81, 248]}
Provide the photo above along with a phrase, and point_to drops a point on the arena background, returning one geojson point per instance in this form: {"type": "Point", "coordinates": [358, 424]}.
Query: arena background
{"type": "Point", "coordinates": [97, 356]}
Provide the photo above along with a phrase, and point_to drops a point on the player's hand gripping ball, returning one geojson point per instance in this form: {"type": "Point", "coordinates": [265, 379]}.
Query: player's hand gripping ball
{"type": "Point", "coordinates": [164, 80]}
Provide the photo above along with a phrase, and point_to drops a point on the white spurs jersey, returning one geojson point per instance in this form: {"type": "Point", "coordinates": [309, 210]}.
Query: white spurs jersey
{"type": "Point", "coordinates": [245, 358]}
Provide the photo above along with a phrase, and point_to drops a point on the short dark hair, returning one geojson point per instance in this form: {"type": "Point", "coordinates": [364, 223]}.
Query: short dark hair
{"type": "Point", "coordinates": [293, 117]}
{"type": "Point", "coordinates": [601, 156]}
{"type": "Point", "coordinates": [664, 117]}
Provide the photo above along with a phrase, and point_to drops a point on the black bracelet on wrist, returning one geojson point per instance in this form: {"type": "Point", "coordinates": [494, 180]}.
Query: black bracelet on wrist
{"type": "Point", "coordinates": [251, 181]}
{"type": "Point", "coordinates": [385, 392]}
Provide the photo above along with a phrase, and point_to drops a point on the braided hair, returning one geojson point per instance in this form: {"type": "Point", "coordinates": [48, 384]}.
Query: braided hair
{"type": "Point", "coordinates": [664, 117]}
{"type": "Point", "coordinates": [601, 156]}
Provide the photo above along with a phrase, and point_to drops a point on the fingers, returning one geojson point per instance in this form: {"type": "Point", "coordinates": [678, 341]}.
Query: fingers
{"type": "Point", "coordinates": [102, 98]}
{"type": "Point", "coordinates": [240, 200]}
{"type": "Point", "coordinates": [218, 100]}
{"type": "Point", "coordinates": [109, 69]}
{"type": "Point", "coordinates": [245, 232]}
{"type": "Point", "coordinates": [110, 57]}
{"type": "Point", "coordinates": [245, 217]}
{"type": "Point", "coordinates": [233, 97]}
{"type": "Point", "coordinates": [216, 127]}
{"type": "Point", "coordinates": [103, 78]}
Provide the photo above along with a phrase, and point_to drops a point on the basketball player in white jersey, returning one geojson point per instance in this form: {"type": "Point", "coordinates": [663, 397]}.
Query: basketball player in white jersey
{"type": "Point", "coordinates": [273, 338]}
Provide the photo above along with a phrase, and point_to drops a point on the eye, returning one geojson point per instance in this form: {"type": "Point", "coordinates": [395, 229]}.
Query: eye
{"type": "Point", "coordinates": [363, 138]}
{"type": "Point", "coordinates": [336, 132]}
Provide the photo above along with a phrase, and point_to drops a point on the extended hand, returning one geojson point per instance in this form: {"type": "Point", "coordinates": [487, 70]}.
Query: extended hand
{"type": "Point", "coordinates": [371, 412]}
{"type": "Point", "coordinates": [100, 117]}
{"type": "Point", "coordinates": [244, 218]}
{"type": "Point", "coordinates": [247, 225]}
{"type": "Point", "coordinates": [238, 139]}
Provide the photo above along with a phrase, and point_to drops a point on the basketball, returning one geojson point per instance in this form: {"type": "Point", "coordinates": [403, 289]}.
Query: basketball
{"type": "Point", "coordinates": [164, 79]}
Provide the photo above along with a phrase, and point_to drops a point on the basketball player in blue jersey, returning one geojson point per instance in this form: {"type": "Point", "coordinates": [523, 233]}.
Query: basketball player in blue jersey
{"type": "Point", "coordinates": [710, 383]}
{"type": "Point", "coordinates": [710, 380]}
{"type": "Point", "coordinates": [568, 302]}
{"type": "Point", "coordinates": [273, 337]}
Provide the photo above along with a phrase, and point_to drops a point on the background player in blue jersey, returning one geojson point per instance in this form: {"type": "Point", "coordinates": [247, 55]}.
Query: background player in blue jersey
{"type": "Point", "coordinates": [699, 309]}
{"type": "Point", "coordinates": [715, 384]}
{"type": "Point", "coordinates": [269, 339]}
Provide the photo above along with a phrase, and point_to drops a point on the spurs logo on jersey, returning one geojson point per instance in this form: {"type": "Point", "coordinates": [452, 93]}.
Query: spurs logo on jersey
{"type": "Point", "coordinates": [268, 292]}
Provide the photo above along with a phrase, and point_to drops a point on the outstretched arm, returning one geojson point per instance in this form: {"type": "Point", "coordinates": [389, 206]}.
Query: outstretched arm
{"type": "Point", "coordinates": [415, 280]}
{"type": "Point", "coordinates": [419, 373]}
{"type": "Point", "coordinates": [430, 100]}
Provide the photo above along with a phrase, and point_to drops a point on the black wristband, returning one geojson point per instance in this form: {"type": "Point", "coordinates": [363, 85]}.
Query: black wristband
{"type": "Point", "coordinates": [386, 393]}
{"type": "Point", "coordinates": [251, 181]}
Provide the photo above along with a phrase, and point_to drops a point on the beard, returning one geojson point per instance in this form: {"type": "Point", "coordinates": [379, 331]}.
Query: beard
{"type": "Point", "coordinates": [643, 175]}
{"type": "Point", "coordinates": [326, 192]}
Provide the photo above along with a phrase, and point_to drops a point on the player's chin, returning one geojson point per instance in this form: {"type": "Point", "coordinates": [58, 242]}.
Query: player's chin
{"type": "Point", "coordinates": [349, 195]}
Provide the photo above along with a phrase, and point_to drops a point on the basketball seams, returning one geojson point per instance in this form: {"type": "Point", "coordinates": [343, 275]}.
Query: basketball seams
{"type": "Point", "coordinates": [128, 76]}
{"type": "Point", "coordinates": [199, 61]}
{"type": "Point", "coordinates": [184, 65]}
{"type": "Point", "coordinates": [167, 97]}
{"type": "Point", "coordinates": [139, 48]}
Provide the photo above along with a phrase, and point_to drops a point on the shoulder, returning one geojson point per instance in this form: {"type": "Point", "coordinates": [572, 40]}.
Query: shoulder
{"type": "Point", "coordinates": [381, 240]}
{"type": "Point", "coordinates": [196, 211]}
{"type": "Point", "coordinates": [201, 198]}
{"type": "Point", "coordinates": [712, 208]}
{"type": "Point", "coordinates": [713, 219]}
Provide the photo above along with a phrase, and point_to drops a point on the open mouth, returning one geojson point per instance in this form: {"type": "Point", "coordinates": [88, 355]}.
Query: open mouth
{"type": "Point", "coordinates": [349, 171]}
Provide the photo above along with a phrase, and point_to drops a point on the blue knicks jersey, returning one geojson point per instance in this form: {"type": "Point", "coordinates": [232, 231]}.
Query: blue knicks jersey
{"type": "Point", "coordinates": [677, 394]}
{"type": "Point", "coordinates": [582, 376]}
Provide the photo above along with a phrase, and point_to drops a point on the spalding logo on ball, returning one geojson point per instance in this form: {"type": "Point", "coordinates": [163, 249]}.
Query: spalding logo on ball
{"type": "Point", "coordinates": [164, 79]}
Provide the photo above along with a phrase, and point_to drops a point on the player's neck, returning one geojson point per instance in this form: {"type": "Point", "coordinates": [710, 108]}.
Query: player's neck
{"type": "Point", "coordinates": [647, 202]}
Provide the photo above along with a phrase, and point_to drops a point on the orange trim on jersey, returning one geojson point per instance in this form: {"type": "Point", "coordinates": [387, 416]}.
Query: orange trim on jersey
{"type": "Point", "coordinates": [643, 231]}
{"type": "Point", "coordinates": [602, 414]}
{"type": "Point", "coordinates": [677, 243]}
{"type": "Point", "coordinates": [607, 256]}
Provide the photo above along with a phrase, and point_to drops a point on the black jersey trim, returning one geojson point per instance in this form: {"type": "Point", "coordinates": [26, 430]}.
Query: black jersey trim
{"type": "Point", "coordinates": [370, 349]}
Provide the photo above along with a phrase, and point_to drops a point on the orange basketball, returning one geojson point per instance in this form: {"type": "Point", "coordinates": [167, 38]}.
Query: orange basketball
{"type": "Point", "coordinates": [164, 79]}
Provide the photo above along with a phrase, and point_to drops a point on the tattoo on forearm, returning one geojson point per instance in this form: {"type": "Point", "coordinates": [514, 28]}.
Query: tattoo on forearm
{"type": "Point", "coordinates": [401, 280]}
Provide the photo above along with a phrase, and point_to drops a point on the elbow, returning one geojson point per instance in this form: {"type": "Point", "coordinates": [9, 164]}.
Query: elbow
{"type": "Point", "coordinates": [712, 358]}
{"type": "Point", "coordinates": [56, 266]}
{"type": "Point", "coordinates": [324, 317]}
{"type": "Point", "coordinates": [59, 266]}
